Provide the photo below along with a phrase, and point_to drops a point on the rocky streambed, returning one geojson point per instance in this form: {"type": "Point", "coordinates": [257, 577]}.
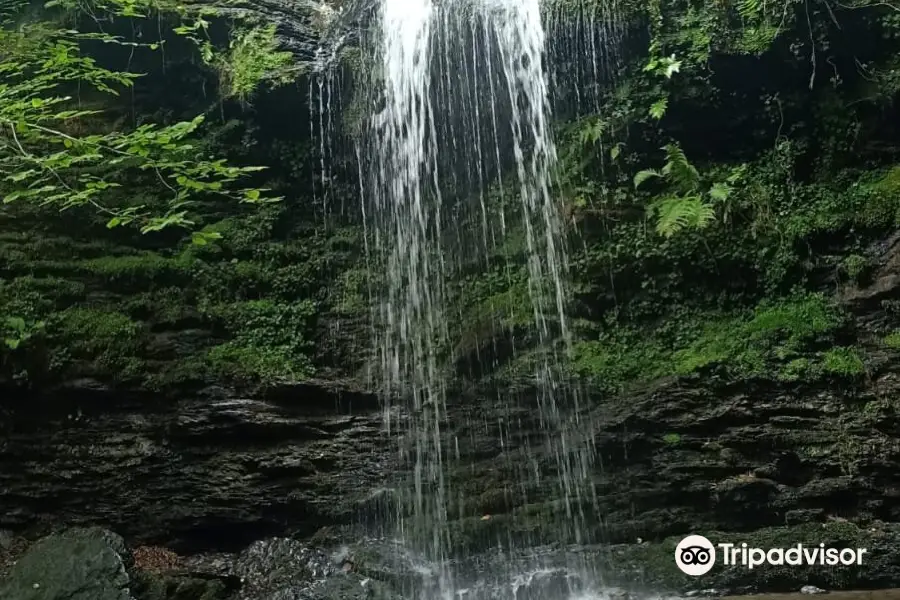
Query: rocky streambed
{"type": "Point", "coordinates": [96, 564]}
{"type": "Point", "coordinates": [237, 493]}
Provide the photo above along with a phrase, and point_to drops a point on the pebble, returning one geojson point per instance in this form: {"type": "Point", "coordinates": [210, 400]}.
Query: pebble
{"type": "Point", "coordinates": [811, 589]}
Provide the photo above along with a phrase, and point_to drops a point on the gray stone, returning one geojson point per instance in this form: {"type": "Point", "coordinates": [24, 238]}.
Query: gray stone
{"type": "Point", "coordinates": [811, 589]}
{"type": "Point", "coordinates": [80, 564]}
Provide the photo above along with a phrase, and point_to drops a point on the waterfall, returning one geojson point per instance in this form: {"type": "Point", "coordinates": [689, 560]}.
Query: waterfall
{"type": "Point", "coordinates": [407, 199]}
{"type": "Point", "coordinates": [461, 105]}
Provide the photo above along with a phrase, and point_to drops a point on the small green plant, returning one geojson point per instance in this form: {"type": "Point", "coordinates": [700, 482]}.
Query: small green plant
{"type": "Point", "coordinates": [253, 59]}
{"type": "Point", "coordinates": [270, 340]}
{"type": "Point", "coordinates": [892, 340]}
{"type": "Point", "coordinates": [17, 331]}
{"type": "Point", "coordinates": [844, 361]}
{"type": "Point", "coordinates": [854, 265]}
{"type": "Point", "coordinates": [672, 439]}
{"type": "Point", "coordinates": [687, 207]}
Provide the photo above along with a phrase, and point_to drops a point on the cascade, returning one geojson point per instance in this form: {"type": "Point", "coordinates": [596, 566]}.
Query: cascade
{"type": "Point", "coordinates": [407, 223]}
{"type": "Point", "coordinates": [462, 106]}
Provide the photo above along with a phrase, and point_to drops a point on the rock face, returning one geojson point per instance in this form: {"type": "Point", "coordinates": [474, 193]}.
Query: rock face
{"type": "Point", "coordinates": [305, 26]}
{"type": "Point", "coordinates": [765, 462]}
{"type": "Point", "coordinates": [197, 473]}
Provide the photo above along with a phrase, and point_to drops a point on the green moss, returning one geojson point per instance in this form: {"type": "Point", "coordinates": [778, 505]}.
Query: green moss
{"type": "Point", "coordinates": [38, 296]}
{"type": "Point", "coordinates": [672, 439]}
{"type": "Point", "coordinates": [854, 265]}
{"type": "Point", "coordinates": [843, 361]}
{"type": "Point", "coordinates": [888, 184]}
{"type": "Point", "coordinates": [778, 339]}
{"type": "Point", "coordinates": [267, 364]}
{"type": "Point", "coordinates": [102, 342]}
{"type": "Point", "coordinates": [167, 305]}
{"type": "Point", "coordinates": [492, 304]}
{"type": "Point", "coordinates": [621, 356]}
{"type": "Point", "coordinates": [137, 271]}
{"type": "Point", "coordinates": [776, 332]}
{"type": "Point", "coordinates": [892, 340]}
{"type": "Point", "coordinates": [352, 294]}
{"type": "Point", "coordinates": [270, 340]}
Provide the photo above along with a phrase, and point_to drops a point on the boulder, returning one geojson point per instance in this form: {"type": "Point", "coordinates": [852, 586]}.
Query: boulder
{"type": "Point", "coordinates": [79, 564]}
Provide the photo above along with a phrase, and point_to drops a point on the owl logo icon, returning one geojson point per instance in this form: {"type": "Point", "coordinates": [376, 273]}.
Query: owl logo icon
{"type": "Point", "coordinates": [695, 555]}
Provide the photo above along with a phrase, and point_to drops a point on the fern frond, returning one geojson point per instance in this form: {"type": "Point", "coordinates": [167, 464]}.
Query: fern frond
{"type": "Point", "coordinates": [591, 133]}
{"type": "Point", "coordinates": [677, 213]}
{"type": "Point", "coordinates": [749, 9]}
{"type": "Point", "coordinates": [679, 170]}
{"type": "Point", "coordinates": [658, 109]}
{"type": "Point", "coordinates": [644, 175]}
{"type": "Point", "coordinates": [720, 192]}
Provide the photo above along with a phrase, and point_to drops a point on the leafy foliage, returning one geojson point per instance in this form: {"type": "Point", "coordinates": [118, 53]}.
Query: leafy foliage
{"type": "Point", "coordinates": [54, 158]}
{"type": "Point", "coordinates": [17, 331]}
{"type": "Point", "coordinates": [253, 57]}
{"type": "Point", "coordinates": [687, 208]}
{"type": "Point", "coordinates": [785, 110]}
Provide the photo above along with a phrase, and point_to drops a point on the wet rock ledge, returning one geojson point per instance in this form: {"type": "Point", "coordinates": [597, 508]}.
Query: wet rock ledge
{"type": "Point", "coordinates": [199, 473]}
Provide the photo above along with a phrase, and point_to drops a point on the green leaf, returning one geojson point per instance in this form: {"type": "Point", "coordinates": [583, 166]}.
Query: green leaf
{"type": "Point", "coordinates": [658, 108]}
{"type": "Point", "coordinates": [673, 67]}
{"type": "Point", "coordinates": [720, 192]}
{"type": "Point", "coordinates": [682, 212]}
{"type": "Point", "coordinates": [615, 151]}
{"type": "Point", "coordinates": [17, 323]}
{"type": "Point", "coordinates": [252, 194]}
{"type": "Point", "coordinates": [679, 170]}
{"type": "Point", "coordinates": [644, 175]}
{"type": "Point", "coordinates": [114, 222]}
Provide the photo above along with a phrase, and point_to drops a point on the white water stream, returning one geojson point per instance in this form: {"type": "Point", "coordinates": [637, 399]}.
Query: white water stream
{"type": "Point", "coordinates": [462, 101]}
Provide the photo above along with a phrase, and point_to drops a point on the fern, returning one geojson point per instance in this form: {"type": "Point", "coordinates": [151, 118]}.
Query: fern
{"type": "Point", "coordinates": [658, 108]}
{"type": "Point", "coordinates": [682, 212]}
{"type": "Point", "coordinates": [591, 133]}
{"type": "Point", "coordinates": [720, 192]}
{"type": "Point", "coordinates": [688, 207]}
{"type": "Point", "coordinates": [679, 170]}
{"type": "Point", "coordinates": [644, 175]}
{"type": "Point", "coordinates": [749, 9]}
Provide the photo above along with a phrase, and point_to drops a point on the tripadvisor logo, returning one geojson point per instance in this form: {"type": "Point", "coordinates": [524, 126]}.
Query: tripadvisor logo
{"type": "Point", "coordinates": [695, 555]}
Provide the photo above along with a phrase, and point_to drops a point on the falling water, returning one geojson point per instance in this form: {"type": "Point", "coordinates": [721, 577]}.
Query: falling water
{"type": "Point", "coordinates": [522, 42]}
{"type": "Point", "coordinates": [408, 232]}
{"type": "Point", "coordinates": [584, 38]}
{"type": "Point", "coordinates": [462, 95]}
